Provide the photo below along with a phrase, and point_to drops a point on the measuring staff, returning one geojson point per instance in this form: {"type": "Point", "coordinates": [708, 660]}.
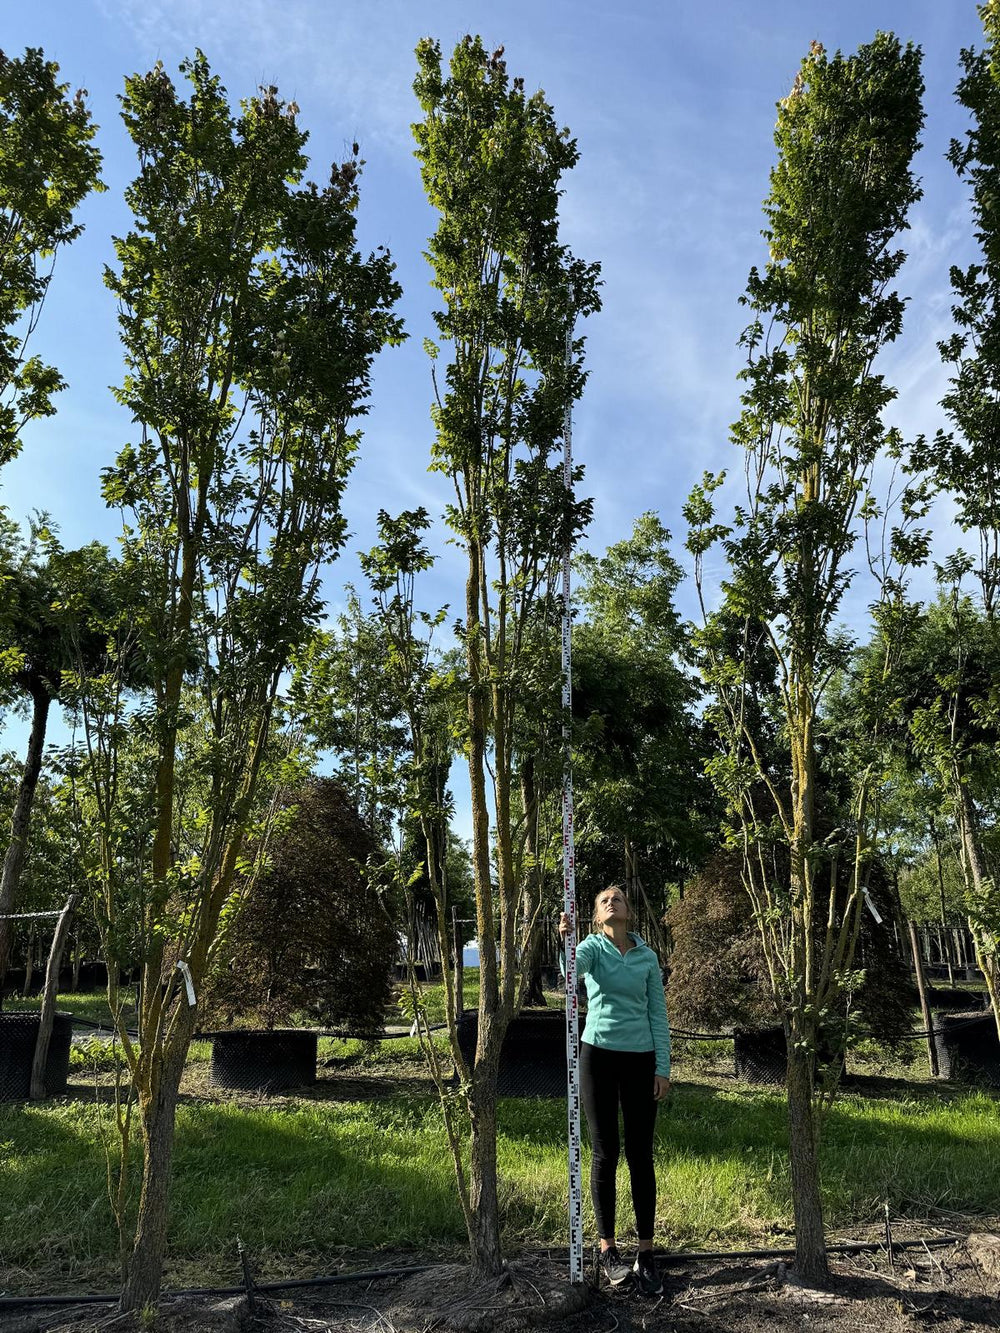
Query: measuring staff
{"type": "Point", "coordinates": [569, 864]}
{"type": "Point", "coordinates": [624, 1063]}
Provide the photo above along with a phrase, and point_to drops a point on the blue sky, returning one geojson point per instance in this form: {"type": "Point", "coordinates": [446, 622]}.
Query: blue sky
{"type": "Point", "coordinates": [673, 107]}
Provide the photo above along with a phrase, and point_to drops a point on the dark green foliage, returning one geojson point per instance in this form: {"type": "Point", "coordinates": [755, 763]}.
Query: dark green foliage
{"type": "Point", "coordinates": [343, 693]}
{"type": "Point", "coordinates": [967, 465]}
{"type": "Point", "coordinates": [58, 604]}
{"type": "Point", "coordinates": [813, 434]}
{"type": "Point", "coordinates": [718, 977]}
{"type": "Point", "coordinates": [644, 806]}
{"type": "Point", "coordinates": [947, 693]}
{"type": "Point", "coordinates": [249, 321]}
{"type": "Point", "coordinates": [947, 720]}
{"type": "Point", "coordinates": [314, 935]}
{"type": "Point", "coordinates": [48, 164]}
{"type": "Point", "coordinates": [718, 973]}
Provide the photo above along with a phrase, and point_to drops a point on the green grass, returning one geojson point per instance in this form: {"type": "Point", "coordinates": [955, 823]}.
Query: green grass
{"type": "Point", "coordinates": [432, 994]}
{"type": "Point", "coordinates": [91, 1005]}
{"type": "Point", "coordinates": [303, 1178]}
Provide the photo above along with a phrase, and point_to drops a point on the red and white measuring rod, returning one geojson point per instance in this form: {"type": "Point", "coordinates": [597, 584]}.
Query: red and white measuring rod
{"type": "Point", "coordinates": [569, 875]}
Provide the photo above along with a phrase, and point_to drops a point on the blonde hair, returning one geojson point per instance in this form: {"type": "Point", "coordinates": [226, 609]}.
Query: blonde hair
{"type": "Point", "coordinates": [608, 888]}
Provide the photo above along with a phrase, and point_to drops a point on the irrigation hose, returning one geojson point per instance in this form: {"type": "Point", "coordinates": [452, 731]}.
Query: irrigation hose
{"type": "Point", "coordinates": [372, 1275]}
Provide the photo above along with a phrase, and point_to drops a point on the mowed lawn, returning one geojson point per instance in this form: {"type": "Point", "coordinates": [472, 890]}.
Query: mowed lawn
{"type": "Point", "coordinates": [306, 1180]}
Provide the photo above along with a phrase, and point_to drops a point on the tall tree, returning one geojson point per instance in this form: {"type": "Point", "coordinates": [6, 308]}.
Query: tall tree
{"type": "Point", "coordinates": [812, 431]}
{"type": "Point", "coordinates": [948, 713]}
{"type": "Point", "coordinates": [967, 466]}
{"type": "Point", "coordinates": [48, 164]}
{"type": "Point", "coordinates": [491, 158]}
{"type": "Point", "coordinates": [56, 605]}
{"type": "Point", "coordinates": [249, 322]}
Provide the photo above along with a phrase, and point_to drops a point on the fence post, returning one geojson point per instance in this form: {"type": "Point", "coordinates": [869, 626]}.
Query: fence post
{"type": "Point", "coordinates": [918, 967]}
{"type": "Point", "coordinates": [37, 1089]}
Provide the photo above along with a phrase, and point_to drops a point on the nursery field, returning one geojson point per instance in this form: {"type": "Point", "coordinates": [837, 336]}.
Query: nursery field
{"type": "Point", "coordinates": [357, 1166]}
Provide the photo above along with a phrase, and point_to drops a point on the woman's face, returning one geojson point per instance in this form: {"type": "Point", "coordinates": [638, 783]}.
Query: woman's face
{"type": "Point", "coordinates": [610, 906]}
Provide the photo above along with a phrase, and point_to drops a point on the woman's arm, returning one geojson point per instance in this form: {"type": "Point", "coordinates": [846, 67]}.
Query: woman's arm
{"type": "Point", "coordinates": [658, 1023]}
{"type": "Point", "coordinates": [584, 950]}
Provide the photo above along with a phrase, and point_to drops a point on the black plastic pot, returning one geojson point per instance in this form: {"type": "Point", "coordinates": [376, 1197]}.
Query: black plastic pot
{"type": "Point", "coordinates": [18, 1037]}
{"type": "Point", "coordinates": [760, 1055]}
{"type": "Point", "coordinates": [968, 1048]}
{"type": "Point", "coordinates": [533, 1055]}
{"type": "Point", "coordinates": [263, 1061]}
{"type": "Point", "coordinates": [421, 971]}
{"type": "Point", "coordinates": [954, 998]}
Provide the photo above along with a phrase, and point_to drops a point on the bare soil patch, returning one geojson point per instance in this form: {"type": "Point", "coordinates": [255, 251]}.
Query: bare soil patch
{"type": "Point", "coordinates": [949, 1289]}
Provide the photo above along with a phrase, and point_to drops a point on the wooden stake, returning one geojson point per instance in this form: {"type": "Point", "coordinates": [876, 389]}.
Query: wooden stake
{"type": "Point", "coordinates": [37, 1089]}
{"type": "Point", "coordinates": [925, 1010]}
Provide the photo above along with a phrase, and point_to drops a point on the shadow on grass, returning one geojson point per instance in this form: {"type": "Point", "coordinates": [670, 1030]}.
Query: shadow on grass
{"type": "Point", "coordinates": [898, 1088]}
{"type": "Point", "coordinates": [300, 1176]}
{"type": "Point", "coordinates": [298, 1181]}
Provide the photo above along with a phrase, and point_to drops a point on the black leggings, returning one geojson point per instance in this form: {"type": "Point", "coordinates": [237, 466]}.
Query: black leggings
{"type": "Point", "coordinates": [609, 1079]}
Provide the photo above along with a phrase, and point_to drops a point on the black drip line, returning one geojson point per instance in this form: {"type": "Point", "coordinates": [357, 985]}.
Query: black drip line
{"type": "Point", "coordinates": [333, 1279]}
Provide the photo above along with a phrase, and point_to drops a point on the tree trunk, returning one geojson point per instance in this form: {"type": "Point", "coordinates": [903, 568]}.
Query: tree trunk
{"type": "Point", "coordinates": [29, 961]}
{"type": "Point", "coordinates": [944, 911]}
{"type": "Point", "coordinates": [459, 961]}
{"type": "Point", "coordinates": [487, 1257]}
{"type": "Point", "coordinates": [157, 1109]}
{"type": "Point", "coordinates": [37, 1089]}
{"type": "Point", "coordinates": [987, 953]}
{"type": "Point", "coordinates": [810, 1244]}
{"type": "Point", "coordinates": [412, 952]}
{"type": "Point", "coordinates": [532, 893]}
{"type": "Point", "coordinates": [485, 1238]}
{"type": "Point", "coordinates": [21, 820]}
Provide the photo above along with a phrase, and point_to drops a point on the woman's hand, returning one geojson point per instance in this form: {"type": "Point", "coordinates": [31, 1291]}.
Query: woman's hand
{"type": "Point", "coordinates": [563, 924]}
{"type": "Point", "coordinates": [661, 1088]}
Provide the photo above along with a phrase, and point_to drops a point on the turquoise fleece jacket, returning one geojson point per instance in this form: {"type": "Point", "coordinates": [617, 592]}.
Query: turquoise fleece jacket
{"type": "Point", "coordinates": [626, 1008]}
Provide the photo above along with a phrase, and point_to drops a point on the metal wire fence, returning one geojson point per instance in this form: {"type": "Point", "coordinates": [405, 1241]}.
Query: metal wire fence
{"type": "Point", "coordinates": [533, 1061]}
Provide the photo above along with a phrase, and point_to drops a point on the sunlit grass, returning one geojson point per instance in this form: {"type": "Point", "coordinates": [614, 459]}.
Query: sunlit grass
{"type": "Point", "coordinates": [301, 1179]}
{"type": "Point", "coordinates": [305, 1178]}
{"type": "Point", "coordinates": [90, 1006]}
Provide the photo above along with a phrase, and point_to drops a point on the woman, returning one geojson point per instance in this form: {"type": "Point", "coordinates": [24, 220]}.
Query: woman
{"type": "Point", "coordinates": [624, 1062]}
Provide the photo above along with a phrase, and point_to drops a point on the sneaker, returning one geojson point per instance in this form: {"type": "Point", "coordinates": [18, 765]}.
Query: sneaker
{"type": "Point", "coordinates": [614, 1267]}
{"type": "Point", "coordinates": [647, 1274]}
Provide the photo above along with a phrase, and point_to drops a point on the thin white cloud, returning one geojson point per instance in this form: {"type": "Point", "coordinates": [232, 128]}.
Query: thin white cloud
{"type": "Point", "coordinates": [357, 61]}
